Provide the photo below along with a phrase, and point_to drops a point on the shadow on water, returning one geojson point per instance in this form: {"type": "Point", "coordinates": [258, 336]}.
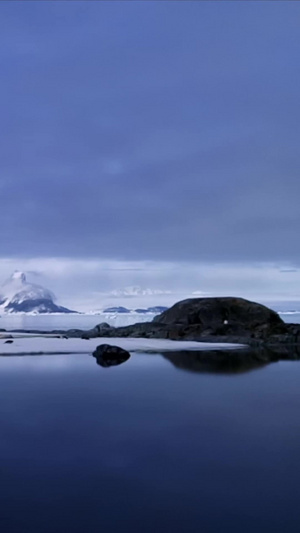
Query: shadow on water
{"type": "Point", "coordinates": [235, 361]}
{"type": "Point", "coordinates": [230, 361]}
{"type": "Point", "coordinates": [217, 361]}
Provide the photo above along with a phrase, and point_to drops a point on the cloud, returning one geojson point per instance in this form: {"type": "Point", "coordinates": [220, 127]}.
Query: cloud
{"type": "Point", "coordinates": [136, 292]}
{"type": "Point", "coordinates": [129, 139]}
{"type": "Point", "coordinates": [34, 273]}
{"type": "Point", "coordinates": [95, 284]}
{"type": "Point", "coordinates": [288, 270]}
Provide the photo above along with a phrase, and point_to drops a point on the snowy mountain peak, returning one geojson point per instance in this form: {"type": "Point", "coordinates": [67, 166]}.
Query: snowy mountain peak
{"type": "Point", "coordinates": [18, 275]}
{"type": "Point", "coordinates": [18, 288]}
{"type": "Point", "coordinates": [131, 292]}
{"type": "Point", "coordinates": [18, 295]}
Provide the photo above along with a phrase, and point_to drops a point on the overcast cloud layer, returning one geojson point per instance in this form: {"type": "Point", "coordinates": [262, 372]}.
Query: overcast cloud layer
{"type": "Point", "coordinates": [150, 131]}
{"type": "Point", "coordinates": [86, 285]}
{"type": "Point", "coordinates": [165, 131]}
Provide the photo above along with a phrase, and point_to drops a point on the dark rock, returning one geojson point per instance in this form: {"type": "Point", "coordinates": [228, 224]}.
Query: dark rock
{"type": "Point", "coordinates": [77, 333]}
{"type": "Point", "coordinates": [223, 316]}
{"type": "Point", "coordinates": [108, 355]}
{"type": "Point", "coordinates": [101, 330]}
{"type": "Point", "coordinates": [140, 329]}
{"type": "Point", "coordinates": [8, 342]}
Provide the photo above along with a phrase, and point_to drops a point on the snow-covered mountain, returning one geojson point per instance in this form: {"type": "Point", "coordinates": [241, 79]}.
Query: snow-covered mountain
{"type": "Point", "coordinates": [131, 292]}
{"type": "Point", "coordinates": [17, 295]}
{"type": "Point", "coordinates": [118, 309]}
{"type": "Point", "coordinates": [122, 310]}
{"type": "Point", "coordinates": [157, 309]}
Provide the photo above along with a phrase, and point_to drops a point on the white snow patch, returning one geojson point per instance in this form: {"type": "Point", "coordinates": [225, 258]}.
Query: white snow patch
{"type": "Point", "coordinates": [35, 345]}
{"type": "Point", "coordinates": [131, 292]}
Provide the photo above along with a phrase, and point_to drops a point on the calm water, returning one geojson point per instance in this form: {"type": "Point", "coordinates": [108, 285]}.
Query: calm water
{"type": "Point", "coordinates": [147, 447]}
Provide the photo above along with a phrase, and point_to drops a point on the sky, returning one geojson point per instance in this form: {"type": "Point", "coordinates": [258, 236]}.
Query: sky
{"type": "Point", "coordinates": [152, 144]}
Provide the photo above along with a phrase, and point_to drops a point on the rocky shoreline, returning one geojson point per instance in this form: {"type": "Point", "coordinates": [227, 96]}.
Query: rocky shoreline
{"type": "Point", "coordinates": [223, 319]}
{"type": "Point", "coordinates": [267, 338]}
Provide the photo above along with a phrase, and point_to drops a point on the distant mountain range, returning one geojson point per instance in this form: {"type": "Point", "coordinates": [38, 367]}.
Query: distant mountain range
{"type": "Point", "coordinates": [119, 309]}
{"type": "Point", "coordinates": [17, 295]}
{"type": "Point", "coordinates": [155, 310]}
{"type": "Point", "coordinates": [130, 292]}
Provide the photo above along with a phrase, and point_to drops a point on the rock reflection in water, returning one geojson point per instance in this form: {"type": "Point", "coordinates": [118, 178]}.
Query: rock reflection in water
{"type": "Point", "coordinates": [221, 361]}
{"type": "Point", "coordinates": [209, 361]}
{"type": "Point", "coordinates": [106, 361]}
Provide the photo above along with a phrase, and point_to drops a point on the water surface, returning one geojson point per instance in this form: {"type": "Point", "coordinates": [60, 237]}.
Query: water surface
{"type": "Point", "coordinates": [147, 446]}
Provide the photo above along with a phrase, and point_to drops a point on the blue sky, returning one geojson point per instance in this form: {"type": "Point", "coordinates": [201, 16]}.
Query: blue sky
{"type": "Point", "coordinates": [151, 133]}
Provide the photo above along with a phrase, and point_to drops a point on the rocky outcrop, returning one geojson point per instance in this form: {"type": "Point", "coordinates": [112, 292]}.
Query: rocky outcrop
{"type": "Point", "coordinates": [234, 320]}
{"type": "Point", "coordinates": [290, 335]}
{"type": "Point", "coordinates": [223, 316]}
{"type": "Point", "coordinates": [101, 330]}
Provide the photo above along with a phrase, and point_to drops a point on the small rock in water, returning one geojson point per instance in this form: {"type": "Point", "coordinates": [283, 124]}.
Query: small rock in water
{"type": "Point", "coordinates": [8, 342]}
{"type": "Point", "coordinates": [107, 355]}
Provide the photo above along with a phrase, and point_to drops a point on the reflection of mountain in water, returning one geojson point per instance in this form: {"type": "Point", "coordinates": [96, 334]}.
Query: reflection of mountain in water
{"type": "Point", "coordinates": [229, 361]}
